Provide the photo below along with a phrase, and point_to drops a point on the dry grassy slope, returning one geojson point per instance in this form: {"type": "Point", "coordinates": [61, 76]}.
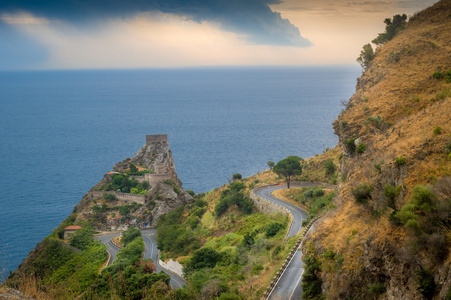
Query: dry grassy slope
{"type": "Point", "coordinates": [398, 85]}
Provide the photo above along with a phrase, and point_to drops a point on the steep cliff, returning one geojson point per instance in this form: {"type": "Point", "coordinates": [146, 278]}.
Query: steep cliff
{"type": "Point", "coordinates": [390, 234]}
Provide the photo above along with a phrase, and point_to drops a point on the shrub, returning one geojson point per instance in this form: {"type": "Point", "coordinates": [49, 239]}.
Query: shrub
{"type": "Point", "coordinates": [270, 164]}
{"type": "Point", "coordinates": [360, 148]}
{"type": "Point", "coordinates": [390, 194]}
{"type": "Point", "coordinates": [391, 29]}
{"type": "Point", "coordinates": [426, 283]}
{"type": "Point", "coordinates": [82, 239]}
{"type": "Point", "coordinates": [377, 289]}
{"type": "Point", "coordinates": [130, 234]}
{"type": "Point", "coordinates": [350, 144]}
{"type": "Point", "coordinates": [438, 75]}
{"type": "Point", "coordinates": [366, 56]}
{"type": "Point", "coordinates": [109, 197]}
{"type": "Point", "coordinates": [362, 193]}
{"type": "Point", "coordinates": [376, 121]}
{"type": "Point", "coordinates": [437, 130]}
{"type": "Point", "coordinates": [400, 160]}
{"type": "Point", "coordinates": [378, 166]}
{"type": "Point", "coordinates": [311, 282]}
{"type": "Point", "coordinates": [330, 167]}
{"type": "Point", "coordinates": [273, 229]}
{"type": "Point", "coordinates": [236, 176]}
{"type": "Point", "coordinates": [191, 192]}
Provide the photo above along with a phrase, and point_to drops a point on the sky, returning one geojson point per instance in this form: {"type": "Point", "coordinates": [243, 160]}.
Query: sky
{"type": "Point", "coordinates": [103, 34]}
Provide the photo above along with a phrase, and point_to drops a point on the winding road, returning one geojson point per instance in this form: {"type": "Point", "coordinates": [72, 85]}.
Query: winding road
{"type": "Point", "coordinates": [289, 285]}
{"type": "Point", "coordinates": [149, 237]}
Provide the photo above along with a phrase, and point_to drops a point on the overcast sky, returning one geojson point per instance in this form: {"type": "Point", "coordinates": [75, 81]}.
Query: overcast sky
{"type": "Point", "coordinates": [90, 34]}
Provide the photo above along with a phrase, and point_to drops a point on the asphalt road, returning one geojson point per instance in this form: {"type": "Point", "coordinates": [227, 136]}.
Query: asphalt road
{"type": "Point", "coordinates": [105, 239]}
{"type": "Point", "coordinates": [150, 238]}
{"type": "Point", "coordinates": [289, 285]}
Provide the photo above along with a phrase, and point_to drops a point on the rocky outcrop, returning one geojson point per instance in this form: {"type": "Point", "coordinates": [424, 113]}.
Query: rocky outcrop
{"type": "Point", "coordinates": [115, 210]}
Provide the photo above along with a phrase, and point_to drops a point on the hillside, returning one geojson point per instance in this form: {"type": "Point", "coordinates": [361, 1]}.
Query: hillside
{"type": "Point", "coordinates": [391, 228]}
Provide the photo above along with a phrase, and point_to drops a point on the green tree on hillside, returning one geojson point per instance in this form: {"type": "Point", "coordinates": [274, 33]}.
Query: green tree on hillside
{"type": "Point", "coordinates": [391, 29]}
{"type": "Point", "coordinates": [366, 56]}
{"type": "Point", "coordinates": [288, 167]}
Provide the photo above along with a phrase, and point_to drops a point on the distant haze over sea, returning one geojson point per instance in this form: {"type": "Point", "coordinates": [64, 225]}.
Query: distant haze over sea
{"type": "Point", "coordinates": [61, 131]}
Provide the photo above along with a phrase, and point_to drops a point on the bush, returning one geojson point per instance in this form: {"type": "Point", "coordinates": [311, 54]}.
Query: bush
{"type": "Point", "coordinates": [273, 229]}
{"type": "Point", "coordinates": [391, 29]}
{"type": "Point", "coordinates": [311, 282]}
{"type": "Point", "coordinates": [390, 194]}
{"type": "Point", "coordinates": [82, 239]}
{"type": "Point", "coordinates": [236, 176]}
{"type": "Point", "coordinates": [437, 130]}
{"type": "Point", "coordinates": [203, 258]}
{"type": "Point", "coordinates": [378, 166]}
{"type": "Point", "coordinates": [362, 193]}
{"type": "Point", "coordinates": [330, 167]}
{"type": "Point", "coordinates": [376, 121]}
{"type": "Point", "coordinates": [130, 234]}
{"type": "Point", "coordinates": [426, 283]}
{"type": "Point", "coordinates": [109, 197]}
{"type": "Point", "coordinates": [366, 56]}
{"type": "Point", "coordinates": [400, 160]}
{"type": "Point", "coordinates": [438, 75]}
{"type": "Point", "coordinates": [360, 148]}
{"type": "Point", "coordinates": [191, 192]}
{"type": "Point", "coordinates": [350, 144]}
{"type": "Point", "coordinates": [377, 289]}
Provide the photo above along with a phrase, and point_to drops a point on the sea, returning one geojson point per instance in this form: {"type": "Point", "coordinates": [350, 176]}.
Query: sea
{"type": "Point", "coordinates": [61, 131]}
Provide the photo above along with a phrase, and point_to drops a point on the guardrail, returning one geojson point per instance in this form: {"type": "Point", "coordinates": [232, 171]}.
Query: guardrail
{"type": "Point", "coordinates": [288, 260]}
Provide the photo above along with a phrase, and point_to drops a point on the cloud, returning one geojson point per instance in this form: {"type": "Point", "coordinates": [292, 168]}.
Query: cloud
{"type": "Point", "coordinates": [253, 20]}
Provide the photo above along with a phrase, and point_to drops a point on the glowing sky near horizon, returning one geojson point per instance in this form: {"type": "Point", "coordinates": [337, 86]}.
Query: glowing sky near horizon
{"type": "Point", "coordinates": [90, 34]}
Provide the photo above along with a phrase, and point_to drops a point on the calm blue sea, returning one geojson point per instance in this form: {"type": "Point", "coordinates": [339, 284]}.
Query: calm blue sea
{"type": "Point", "coordinates": [60, 131]}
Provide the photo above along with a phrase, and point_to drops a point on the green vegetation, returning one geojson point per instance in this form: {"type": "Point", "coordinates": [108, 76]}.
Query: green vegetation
{"type": "Point", "coordinates": [311, 281]}
{"type": "Point", "coordinates": [391, 29]}
{"type": "Point", "coordinates": [391, 193]}
{"type": "Point", "coordinates": [446, 75]}
{"type": "Point", "coordinates": [236, 176]}
{"type": "Point", "coordinates": [330, 167]}
{"type": "Point", "coordinates": [123, 183]}
{"type": "Point", "coordinates": [130, 234]}
{"type": "Point", "coordinates": [378, 166]}
{"type": "Point", "coordinates": [377, 289]}
{"type": "Point", "coordinates": [315, 199]}
{"type": "Point", "coordinates": [360, 148]}
{"type": "Point", "coordinates": [288, 167]}
{"type": "Point", "coordinates": [362, 193]}
{"type": "Point", "coordinates": [273, 229]}
{"type": "Point", "coordinates": [173, 236]}
{"type": "Point", "coordinates": [375, 121]}
{"type": "Point", "coordinates": [350, 144]}
{"type": "Point", "coordinates": [437, 130]}
{"type": "Point", "coordinates": [366, 56]}
{"type": "Point", "coordinates": [400, 160]}
{"type": "Point", "coordinates": [234, 195]}
{"type": "Point", "coordinates": [270, 164]}
{"type": "Point", "coordinates": [428, 217]}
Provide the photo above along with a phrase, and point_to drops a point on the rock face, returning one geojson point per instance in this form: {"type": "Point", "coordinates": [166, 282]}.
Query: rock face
{"type": "Point", "coordinates": [399, 103]}
{"type": "Point", "coordinates": [113, 209]}
{"type": "Point", "coordinates": [12, 294]}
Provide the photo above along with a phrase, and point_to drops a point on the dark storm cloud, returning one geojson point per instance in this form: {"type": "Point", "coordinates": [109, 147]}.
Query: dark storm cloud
{"type": "Point", "coordinates": [252, 18]}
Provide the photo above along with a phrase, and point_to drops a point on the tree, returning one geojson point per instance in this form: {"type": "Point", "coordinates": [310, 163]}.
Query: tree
{"type": "Point", "coordinates": [133, 169]}
{"type": "Point", "coordinates": [366, 56]}
{"type": "Point", "coordinates": [236, 176]}
{"type": "Point", "coordinates": [271, 164]}
{"type": "Point", "coordinates": [288, 167]}
{"type": "Point", "coordinates": [391, 29]}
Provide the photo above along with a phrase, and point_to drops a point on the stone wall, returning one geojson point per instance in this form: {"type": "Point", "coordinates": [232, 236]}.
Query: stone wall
{"type": "Point", "coordinates": [265, 206]}
{"type": "Point", "coordinates": [140, 199]}
{"type": "Point", "coordinates": [173, 266]}
{"type": "Point", "coordinates": [157, 138]}
{"type": "Point", "coordinates": [153, 179]}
